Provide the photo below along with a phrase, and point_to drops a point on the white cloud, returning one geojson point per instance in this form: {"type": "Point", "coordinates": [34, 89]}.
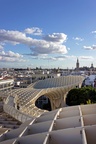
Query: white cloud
{"type": "Point", "coordinates": [87, 47]}
{"type": "Point", "coordinates": [63, 58]}
{"type": "Point", "coordinates": [73, 57]}
{"type": "Point", "coordinates": [12, 36]}
{"type": "Point", "coordinates": [86, 57]}
{"type": "Point", "coordinates": [56, 37]}
{"type": "Point", "coordinates": [10, 57]}
{"type": "Point", "coordinates": [55, 58]}
{"type": "Point", "coordinates": [10, 54]}
{"type": "Point", "coordinates": [93, 47]}
{"type": "Point", "coordinates": [93, 32]}
{"type": "Point", "coordinates": [48, 58]}
{"type": "Point", "coordinates": [68, 48]}
{"type": "Point", "coordinates": [49, 48]}
{"type": "Point", "coordinates": [33, 31]}
{"type": "Point", "coordinates": [78, 39]}
{"type": "Point", "coordinates": [1, 47]}
{"type": "Point", "coordinates": [38, 46]}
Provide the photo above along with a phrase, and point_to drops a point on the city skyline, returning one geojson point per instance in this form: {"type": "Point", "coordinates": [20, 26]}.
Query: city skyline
{"type": "Point", "coordinates": [47, 34]}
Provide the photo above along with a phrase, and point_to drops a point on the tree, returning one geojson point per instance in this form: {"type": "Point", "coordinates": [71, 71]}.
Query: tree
{"type": "Point", "coordinates": [83, 95]}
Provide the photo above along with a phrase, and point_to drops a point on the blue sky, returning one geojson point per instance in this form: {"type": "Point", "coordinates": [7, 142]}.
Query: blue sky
{"type": "Point", "coordinates": [47, 33]}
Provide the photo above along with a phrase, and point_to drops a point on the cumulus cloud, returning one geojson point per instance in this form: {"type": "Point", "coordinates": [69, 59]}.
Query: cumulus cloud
{"type": "Point", "coordinates": [10, 57]}
{"type": "Point", "coordinates": [33, 31]}
{"type": "Point", "coordinates": [56, 37]}
{"type": "Point", "coordinates": [78, 39]}
{"type": "Point", "coordinates": [12, 36]}
{"type": "Point", "coordinates": [10, 54]}
{"type": "Point", "coordinates": [49, 48]}
{"type": "Point", "coordinates": [93, 47]}
{"type": "Point", "coordinates": [37, 46]}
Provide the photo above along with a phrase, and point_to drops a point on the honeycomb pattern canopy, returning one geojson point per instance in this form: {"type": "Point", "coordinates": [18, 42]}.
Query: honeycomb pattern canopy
{"type": "Point", "coordinates": [69, 125]}
{"type": "Point", "coordinates": [24, 99]}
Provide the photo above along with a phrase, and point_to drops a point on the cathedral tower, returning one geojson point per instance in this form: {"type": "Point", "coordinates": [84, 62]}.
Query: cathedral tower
{"type": "Point", "coordinates": [77, 65]}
